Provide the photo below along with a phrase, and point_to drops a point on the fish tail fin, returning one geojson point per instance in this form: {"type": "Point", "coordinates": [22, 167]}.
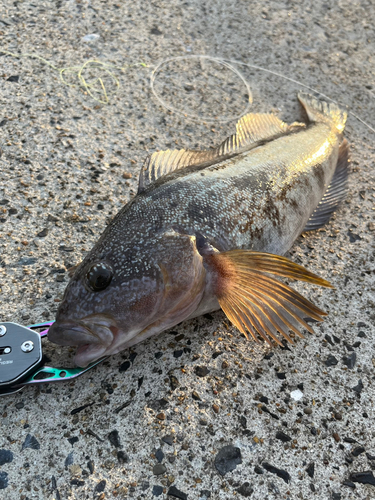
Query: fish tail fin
{"type": "Point", "coordinates": [321, 111]}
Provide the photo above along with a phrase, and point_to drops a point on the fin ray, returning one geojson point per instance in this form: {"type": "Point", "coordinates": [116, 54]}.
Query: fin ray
{"type": "Point", "coordinates": [335, 193]}
{"type": "Point", "coordinates": [258, 303]}
{"type": "Point", "coordinates": [251, 130]}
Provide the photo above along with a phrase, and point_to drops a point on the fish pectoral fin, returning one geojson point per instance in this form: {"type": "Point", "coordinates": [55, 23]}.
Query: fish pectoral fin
{"type": "Point", "coordinates": [335, 193]}
{"type": "Point", "coordinates": [251, 130]}
{"type": "Point", "coordinates": [260, 304]}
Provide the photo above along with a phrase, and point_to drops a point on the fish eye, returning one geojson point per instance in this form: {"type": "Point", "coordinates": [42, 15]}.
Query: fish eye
{"type": "Point", "coordinates": [99, 276]}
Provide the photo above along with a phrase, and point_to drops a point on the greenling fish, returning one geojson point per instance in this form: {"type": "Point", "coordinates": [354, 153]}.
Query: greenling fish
{"type": "Point", "coordinates": [208, 229]}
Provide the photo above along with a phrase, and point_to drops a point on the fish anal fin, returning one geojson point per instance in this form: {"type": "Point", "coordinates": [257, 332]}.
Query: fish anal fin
{"type": "Point", "coordinates": [254, 300]}
{"type": "Point", "coordinates": [335, 193]}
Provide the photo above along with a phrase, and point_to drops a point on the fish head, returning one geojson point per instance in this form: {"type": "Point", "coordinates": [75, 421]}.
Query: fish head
{"type": "Point", "coordinates": [120, 297]}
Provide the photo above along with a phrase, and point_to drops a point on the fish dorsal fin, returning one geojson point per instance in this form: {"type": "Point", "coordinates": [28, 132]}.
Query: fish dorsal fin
{"type": "Point", "coordinates": [257, 303]}
{"type": "Point", "coordinates": [335, 193]}
{"type": "Point", "coordinates": [164, 162]}
{"type": "Point", "coordinates": [254, 128]}
{"type": "Point", "coordinates": [251, 130]}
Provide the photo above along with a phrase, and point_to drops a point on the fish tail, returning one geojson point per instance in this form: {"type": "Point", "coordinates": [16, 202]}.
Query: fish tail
{"type": "Point", "coordinates": [321, 111]}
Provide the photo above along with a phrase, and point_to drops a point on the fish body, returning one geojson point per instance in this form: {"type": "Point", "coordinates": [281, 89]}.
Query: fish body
{"type": "Point", "coordinates": [204, 231]}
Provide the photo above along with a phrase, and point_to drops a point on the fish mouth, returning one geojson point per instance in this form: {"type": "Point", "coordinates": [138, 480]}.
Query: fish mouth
{"type": "Point", "coordinates": [93, 335]}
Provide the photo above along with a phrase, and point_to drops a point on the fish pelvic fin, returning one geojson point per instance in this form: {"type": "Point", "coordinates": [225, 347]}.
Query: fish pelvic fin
{"type": "Point", "coordinates": [323, 112]}
{"type": "Point", "coordinates": [258, 303]}
{"type": "Point", "coordinates": [335, 193]}
{"type": "Point", "coordinates": [252, 130]}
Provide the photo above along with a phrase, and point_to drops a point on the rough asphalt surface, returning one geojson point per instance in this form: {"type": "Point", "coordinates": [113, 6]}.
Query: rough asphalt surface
{"type": "Point", "coordinates": [196, 412]}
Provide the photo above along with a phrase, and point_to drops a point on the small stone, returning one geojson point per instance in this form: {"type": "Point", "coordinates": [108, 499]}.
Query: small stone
{"type": "Point", "coordinates": [296, 395]}
{"type": "Point", "coordinates": [156, 31]}
{"type": "Point", "coordinates": [157, 491]}
{"type": "Point", "coordinates": [245, 490]}
{"type": "Point", "coordinates": [127, 175]}
{"type": "Point", "coordinates": [281, 375]}
{"type": "Point", "coordinates": [201, 371]}
{"type": "Point", "coordinates": [159, 469]}
{"type": "Point", "coordinates": [363, 477]}
{"type": "Point", "coordinates": [337, 415]}
{"type": "Point", "coordinates": [350, 360]}
{"type": "Point", "coordinates": [100, 486]}
{"type": "Point", "coordinates": [358, 388]}
{"type": "Point", "coordinates": [195, 396]}
{"type": "Point", "coordinates": [205, 494]}
{"type": "Point", "coordinates": [307, 411]}
{"type": "Point", "coordinates": [168, 439]}
{"type": "Point", "coordinates": [91, 466]}
{"type": "Point", "coordinates": [357, 451]}
{"type": "Point", "coordinates": [69, 459]}
{"type": "Point", "coordinates": [371, 226]}
{"type": "Point", "coordinates": [43, 233]}
{"type": "Point", "coordinates": [258, 470]}
{"type": "Point", "coordinates": [331, 361]}
{"type": "Point", "coordinates": [13, 78]}
{"type": "Point", "coordinates": [159, 455]}
{"type": "Point", "coordinates": [160, 416]}
{"type": "Point", "coordinates": [310, 470]}
{"type": "Point", "coordinates": [173, 382]}
{"type": "Point", "coordinates": [283, 437]}
{"type": "Point", "coordinates": [31, 442]}
{"type": "Point", "coordinates": [283, 474]}
{"type": "Point", "coordinates": [174, 492]}
{"type": "Point", "coordinates": [73, 440]}
{"type": "Point", "coordinates": [3, 480]}
{"type": "Point", "coordinates": [178, 353]}
{"type": "Point", "coordinates": [114, 439]}
{"type": "Point", "coordinates": [224, 365]}
{"type": "Point", "coordinates": [227, 459]}
{"type": "Point", "coordinates": [124, 366]}
{"type": "Point", "coordinates": [336, 437]}
{"type": "Point", "coordinates": [348, 483]}
{"type": "Point", "coordinates": [353, 237]}
{"type": "Point", "coordinates": [6, 457]}
{"type": "Point", "coordinates": [122, 457]}
{"type": "Point", "coordinates": [215, 408]}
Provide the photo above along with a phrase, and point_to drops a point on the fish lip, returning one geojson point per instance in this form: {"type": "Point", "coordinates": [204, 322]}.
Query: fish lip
{"type": "Point", "coordinates": [82, 332]}
{"type": "Point", "coordinates": [63, 333]}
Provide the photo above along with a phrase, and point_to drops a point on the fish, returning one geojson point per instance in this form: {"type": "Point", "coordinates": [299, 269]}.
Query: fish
{"type": "Point", "coordinates": [208, 230]}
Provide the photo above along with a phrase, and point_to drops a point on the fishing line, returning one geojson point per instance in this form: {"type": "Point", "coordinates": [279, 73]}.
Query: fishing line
{"type": "Point", "coordinates": [104, 95]}
{"type": "Point", "coordinates": [222, 62]}
{"type": "Point", "coordinates": [228, 64]}
{"type": "Point", "coordinates": [90, 88]}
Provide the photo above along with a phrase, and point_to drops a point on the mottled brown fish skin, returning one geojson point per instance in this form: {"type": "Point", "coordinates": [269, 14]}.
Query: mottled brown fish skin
{"type": "Point", "coordinates": [259, 200]}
